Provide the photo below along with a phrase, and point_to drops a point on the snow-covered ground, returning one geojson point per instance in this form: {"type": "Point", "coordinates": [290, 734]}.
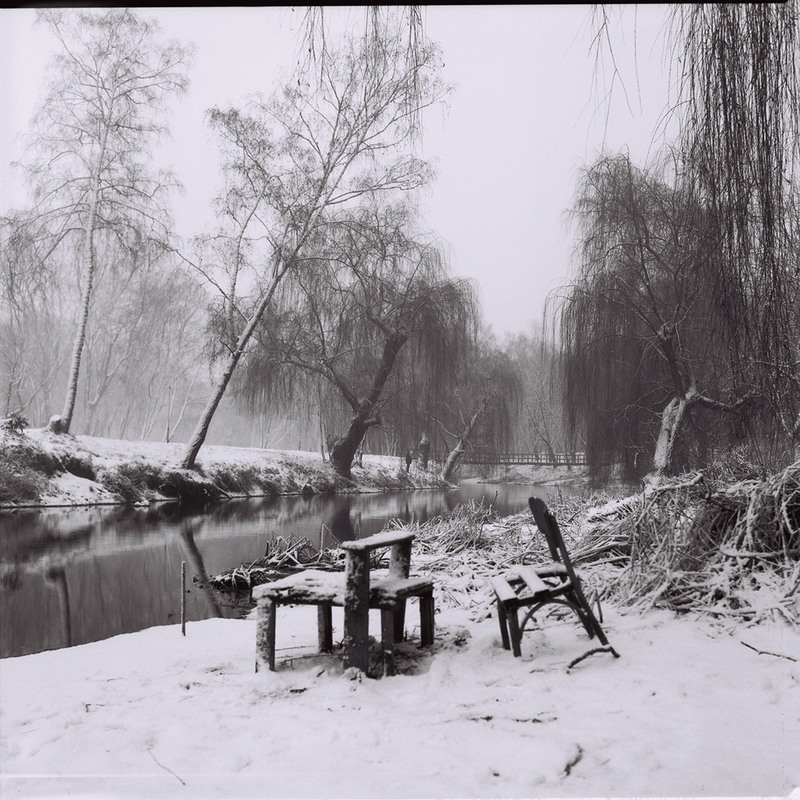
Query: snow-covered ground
{"type": "Point", "coordinates": [688, 710]}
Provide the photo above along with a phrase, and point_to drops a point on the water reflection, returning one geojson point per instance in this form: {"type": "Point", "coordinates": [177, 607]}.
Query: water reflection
{"type": "Point", "coordinates": [71, 576]}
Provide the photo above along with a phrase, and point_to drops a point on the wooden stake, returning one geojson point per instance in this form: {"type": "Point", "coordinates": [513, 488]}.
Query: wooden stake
{"type": "Point", "coordinates": [183, 598]}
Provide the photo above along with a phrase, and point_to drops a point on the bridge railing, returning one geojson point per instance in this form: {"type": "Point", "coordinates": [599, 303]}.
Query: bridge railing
{"type": "Point", "coordinates": [536, 459]}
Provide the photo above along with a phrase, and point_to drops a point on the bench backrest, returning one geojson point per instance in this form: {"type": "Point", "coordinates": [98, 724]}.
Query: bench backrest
{"type": "Point", "coordinates": [547, 524]}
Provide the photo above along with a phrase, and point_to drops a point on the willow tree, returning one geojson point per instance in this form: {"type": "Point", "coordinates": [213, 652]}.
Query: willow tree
{"type": "Point", "coordinates": [641, 334]}
{"type": "Point", "coordinates": [687, 293]}
{"type": "Point", "coordinates": [92, 137]}
{"type": "Point", "coordinates": [372, 308]}
{"type": "Point", "coordinates": [293, 158]}
{"type": "Point", "coordinates": [741, 144]}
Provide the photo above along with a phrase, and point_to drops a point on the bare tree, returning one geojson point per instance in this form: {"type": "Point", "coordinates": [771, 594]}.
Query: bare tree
{"type": "Point", "coordinates": [372, 311]}
{"type": "Point", "coordinates": [141, 349]}
{"type": "Point", "coordinates": [92, 138]}
{"type": "Point", "coordinates": [482, 403]}
{"type": "Point", "coordinates": [32, 302]}
{"type": "Point", "coordinates": [539, 422]}
{"type": "Point", "coordinates": [296, 156]}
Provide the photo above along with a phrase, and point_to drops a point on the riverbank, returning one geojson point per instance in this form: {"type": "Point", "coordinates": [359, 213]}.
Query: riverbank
{"type": "Point", "coordinates": [39, 468]}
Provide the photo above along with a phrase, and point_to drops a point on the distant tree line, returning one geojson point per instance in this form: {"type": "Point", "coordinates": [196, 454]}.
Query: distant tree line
{"type": "Point", "coordinates": [319, 312]}
{"type": "Point", "coordinates": [318, 306]}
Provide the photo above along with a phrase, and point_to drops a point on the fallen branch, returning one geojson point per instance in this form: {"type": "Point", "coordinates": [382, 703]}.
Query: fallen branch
{"type": "Point", "coordinates": [767, 652]}
{"type": "Point", "coordinates": [764, 556]}
{"type": "Point", "coordinates": [166, 768]}
{"type": "Point", "coordinates": [606, 649]}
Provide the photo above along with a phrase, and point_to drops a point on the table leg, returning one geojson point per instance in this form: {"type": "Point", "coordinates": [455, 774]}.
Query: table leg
{"type": "Point", "coordinates": [356, 610]}
{"type": "Point", "coordinates": [265, 635]}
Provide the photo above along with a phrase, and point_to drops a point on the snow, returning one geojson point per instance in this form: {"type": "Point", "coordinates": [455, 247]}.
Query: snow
{"type": "Point", "coordinates": [686, 711]}
{"type": "Point", "coordinates": [288, 470]}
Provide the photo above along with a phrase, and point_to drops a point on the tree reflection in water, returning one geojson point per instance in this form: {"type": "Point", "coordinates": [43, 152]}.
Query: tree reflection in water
{"type": "Point", "coordinates": [71, 576]}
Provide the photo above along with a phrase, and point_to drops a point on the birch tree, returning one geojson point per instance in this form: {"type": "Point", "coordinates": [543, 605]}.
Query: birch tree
{"type": "Point", "coordinates": [317, 144]}
{"type": "Point", "coordinates": [92, 141]}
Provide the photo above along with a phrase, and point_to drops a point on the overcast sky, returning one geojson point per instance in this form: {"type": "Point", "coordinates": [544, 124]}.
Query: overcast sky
{"type": "Point", "coordinates": [527, 113]}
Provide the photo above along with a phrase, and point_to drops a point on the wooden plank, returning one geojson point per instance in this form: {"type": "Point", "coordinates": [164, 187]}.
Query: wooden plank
{"type": "Point", "coordinates": [427, 624]}
{"type": "Point", "coordinates": [388, 591]}
{"type": "Point", "coordinates": [387, 641]}
{"type": "Point", "coordinates": [265, 636]}
{"type": "Point", "coordinates": [532, 580]}
{"type": "Point", "coordinates": [324, 627]}
{"type": "Point", "coordinates": [378, 540]}
{"type": "Point", "coordinates": [400, 561]}
{"type": "Point", "coordinates": [503, 589]}
{"type": "Point", "coordinates": [306, 588]}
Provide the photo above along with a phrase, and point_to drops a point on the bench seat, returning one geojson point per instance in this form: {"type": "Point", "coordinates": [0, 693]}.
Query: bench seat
{"type": "Point", "coordinates": [312, 587]}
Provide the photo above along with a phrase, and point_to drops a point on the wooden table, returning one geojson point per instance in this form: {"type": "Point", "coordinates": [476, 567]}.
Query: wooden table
{"type": "Point", "coordinates": [358, 590]}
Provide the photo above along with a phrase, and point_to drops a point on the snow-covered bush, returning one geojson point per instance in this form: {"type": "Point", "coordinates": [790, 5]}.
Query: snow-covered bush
{"type": "Point", "coordinates": [14, 424]}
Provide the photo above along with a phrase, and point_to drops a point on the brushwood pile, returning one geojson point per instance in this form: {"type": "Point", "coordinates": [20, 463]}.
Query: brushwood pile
{"type": "Point", "coordinates": [701, 542]}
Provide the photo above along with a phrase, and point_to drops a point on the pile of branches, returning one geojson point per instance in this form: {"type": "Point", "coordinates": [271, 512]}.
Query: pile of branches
{"type": "Point", "coordinates": [699, 543]}
{"type": "Point", "coordinates": [285, 556]}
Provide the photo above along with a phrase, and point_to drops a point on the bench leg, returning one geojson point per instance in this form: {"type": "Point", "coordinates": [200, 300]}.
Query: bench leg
{"type": "Point", "coordinates": [388, 621]}
{"type": "Point", "coordinates": [265, 635]}
{"type": "Point", "coordinates": [514, 630]}
{"type": "Point", "coordinates": [325, 627]}
{"type": "Point", "coordinates": [503, 622]}
{"type": "Point", "coordinates": [400, 621]}
{"type": "Point", "coordinates": [356, 611]}
{"type": "Point", "coordinates": [426, 619]}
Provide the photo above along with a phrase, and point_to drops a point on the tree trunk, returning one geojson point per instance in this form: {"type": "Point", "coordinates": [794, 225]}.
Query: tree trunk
{"type": "Point", "coordinates": [457, 453]}
{"type": "Point", "coordinates": [80, 335]}
{"type": "Point", "coordinates": [86, 297]}
{"type": "Point", "coordinates": [424, 448]}
{"type": "Point", "coordinates": [344, 450]}
{"type": "Point", "coordinates": [203, 424]}
{"type": "Point", "coordinates": [671, 422]}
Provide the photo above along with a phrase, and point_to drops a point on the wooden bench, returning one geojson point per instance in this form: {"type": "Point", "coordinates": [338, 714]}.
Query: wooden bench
{"type": "Point", "coordinates": [358, 590]}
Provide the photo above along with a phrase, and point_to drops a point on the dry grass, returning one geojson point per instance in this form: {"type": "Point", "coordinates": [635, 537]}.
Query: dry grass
{"type": "Point", "coordinates": [727, 550]}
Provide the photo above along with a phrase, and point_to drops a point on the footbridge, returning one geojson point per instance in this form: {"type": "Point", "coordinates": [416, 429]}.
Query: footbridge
{"type": "Point", "coordinates": [508, 459]}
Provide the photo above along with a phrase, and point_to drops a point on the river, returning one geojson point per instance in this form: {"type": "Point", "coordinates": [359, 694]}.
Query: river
{"type": "Point", "coordinates": [69, 576]}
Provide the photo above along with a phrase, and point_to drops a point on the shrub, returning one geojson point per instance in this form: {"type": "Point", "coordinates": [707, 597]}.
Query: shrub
{"type": "Point", "coordinates": [24, 470]}
{"type": "Point", "coordinates": [120, 484]}
{"type": "Point", "coordinates": [78, 466]}
{"type": "Point", "coordinates": [15, 424]}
